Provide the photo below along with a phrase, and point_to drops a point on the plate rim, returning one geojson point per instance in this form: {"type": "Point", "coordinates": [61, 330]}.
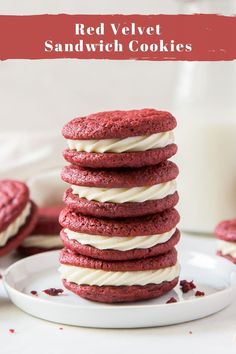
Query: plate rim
{"type": "Point", "coordinates": [98, 306]}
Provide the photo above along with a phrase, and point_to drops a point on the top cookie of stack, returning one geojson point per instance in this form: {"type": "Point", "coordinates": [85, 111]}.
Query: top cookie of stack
{"type": "Point", "coordinates": [113, 139]}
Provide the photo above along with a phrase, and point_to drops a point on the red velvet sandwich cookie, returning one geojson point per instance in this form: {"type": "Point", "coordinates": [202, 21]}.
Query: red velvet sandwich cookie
{"type": "Point", "coordinates": [45, 236]}
{"type": "Point", "coordinates": [132, 138]}
{"type": "Point", "coordinates": [122, 192]}
{"type": "Point", "coordinates": [111, 282]}
{"type": "Point", "coordinates": [120, 239]}
{"type": "Point", "coordinates": [225, 231]}
{"type": "Point", "coordinates": [18, 215]}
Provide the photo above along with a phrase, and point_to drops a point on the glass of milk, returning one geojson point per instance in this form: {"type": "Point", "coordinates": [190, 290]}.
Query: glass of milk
{"type": "Point", "coordinates": [204, 104]}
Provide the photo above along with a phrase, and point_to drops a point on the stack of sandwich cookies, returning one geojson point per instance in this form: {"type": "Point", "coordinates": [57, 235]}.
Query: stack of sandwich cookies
{"type": "Point", "coordinates": [18, 215]}
{"type": "Point", "coordinates": [119, 223]}
{"type": "Point", "coordinates": [45, 235]}
{"type": "Point", "coordinates": [225, 232]}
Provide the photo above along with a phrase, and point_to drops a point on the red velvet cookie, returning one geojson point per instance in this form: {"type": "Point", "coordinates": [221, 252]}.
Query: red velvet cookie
{"type": "Point", "coordinates": [168, 259]}
{"type": "Point", "coordinates": [116, 294]}
{"type": "Point", "coordinates": [119, 125]}
{"type": "Point", "coordinates": [118, 255]}
{"type": "Point", "coordinates": [120, 178]}
{"type": "Point", "coordinates": [125, 159]}
{"type": "Point", "coordinates": [123, 178]}
{"type": "Point", "coordinates": [121, 293]}
{"type": "Point", "coordinates": [45, 235]}
{"type": "Point", "coordinates": [48, 223]}
{"type": "Point", "coordinates": [18, 215]}
{"type": "Point", "coordinates": [139, 226]}
{"type": "Point", "coordinates": [84, 239]}
{"type": "Point", "coordinates": [225, 232]}
{"type": "Point", "coordinates": [112, 210]}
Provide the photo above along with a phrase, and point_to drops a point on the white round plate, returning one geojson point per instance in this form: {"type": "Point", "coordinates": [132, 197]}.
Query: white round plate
{"type": "Point", "coordinates": [213, 275]}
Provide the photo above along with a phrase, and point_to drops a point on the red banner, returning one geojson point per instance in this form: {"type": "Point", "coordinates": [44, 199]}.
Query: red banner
{"type": "Point", "coordinates": [140, 37]}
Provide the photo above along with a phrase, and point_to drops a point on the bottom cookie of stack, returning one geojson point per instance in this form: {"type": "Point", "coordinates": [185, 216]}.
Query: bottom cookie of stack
{"type": "Point", "coordinates": [116, 281]}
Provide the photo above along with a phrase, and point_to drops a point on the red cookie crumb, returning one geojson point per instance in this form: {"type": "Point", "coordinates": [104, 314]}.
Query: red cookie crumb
{"type": "Point", "coordinates": [171, 300]}
{"type": "Point", "coordinates": [0, 276]}
{"type": "Point", "coordinates": [190, 332]}
{"type": "Point", "coordinates": [199, 293]}
{"type": "Point", "coordinates": [11, 330]}
{"type": "Point", "coordinates": [34, 292]}
{"type": "Point", "coordinates": [53, 291]}
{"type": "Point", "coordinates": [61, 328]}
{"type": "Point", "coordinates": [186, 286]}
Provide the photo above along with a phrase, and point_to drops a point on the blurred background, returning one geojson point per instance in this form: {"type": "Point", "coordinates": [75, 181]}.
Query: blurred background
{"type": "Point", "coordinates": [38, 97]}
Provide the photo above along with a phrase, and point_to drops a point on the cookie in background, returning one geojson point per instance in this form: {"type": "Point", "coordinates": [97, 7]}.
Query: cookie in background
{"type": "Point", "coordinates": [45, 235]}
{"type": "Point", "coordinates": [18, 215]}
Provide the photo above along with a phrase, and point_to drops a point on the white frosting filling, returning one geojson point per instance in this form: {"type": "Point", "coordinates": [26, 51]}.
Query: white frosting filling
{"type": "Point", "coordinates": [47, 241]}
{"type": "Point", "coordinates": [88, 276]}
{"type": "Point", "coordinates": [14, 227]}
{"type": "Point", "coordinates": [119, 243]}
{"type": "Point", "coordinates": [136, 143]}
{"type": "Point", "coordinates": [227, 248]}
{"type": "Point", "coordinates": [123, 195]}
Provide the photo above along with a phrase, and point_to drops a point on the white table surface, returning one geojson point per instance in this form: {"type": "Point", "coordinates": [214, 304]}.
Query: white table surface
{"type": "Point", "coordinates": [214, 334]}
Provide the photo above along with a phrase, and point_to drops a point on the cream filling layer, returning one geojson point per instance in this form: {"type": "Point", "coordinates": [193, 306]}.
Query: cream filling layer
{"type": "Point", "coordinates": [14, 227]}
{"type": "Point", "coordinates": [47, 241]}
{"type": "Point", "coordinates": [136, 143]}
{"type": "Point", "coordinates": [119, 243]}
{"type": "Point", "coordinates": [88, 276]}
{"type": "Point", "coordinates": [227, 248]}
{"type": "Point", "coordinates": [123, 195]}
